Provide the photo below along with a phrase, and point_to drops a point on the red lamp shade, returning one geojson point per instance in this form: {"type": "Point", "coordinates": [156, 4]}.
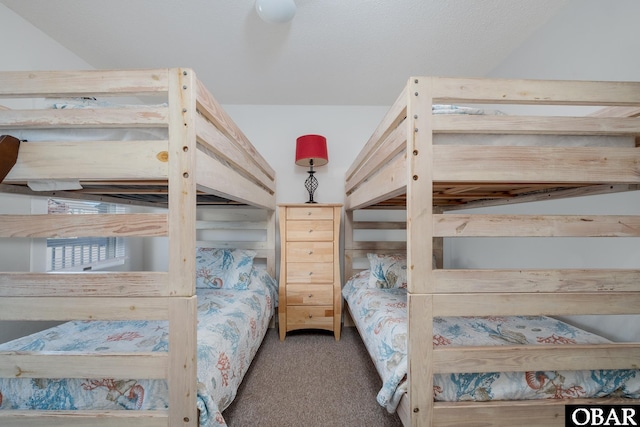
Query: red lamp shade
{"type": "Point", "coordinates": [311, 147]}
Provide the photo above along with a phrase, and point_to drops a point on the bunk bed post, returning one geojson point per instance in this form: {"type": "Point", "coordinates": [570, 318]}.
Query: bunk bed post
{"type": "Point", "coordinates": [348, 243]}
{"type": "Point", "coordinates": [349, 256]}
{"type": "Point", "coordinates": [271, 242]}
{"type": "Point", "coordinates": [419, 250]}
{"type": "Point", "coordinates": [182, 371]}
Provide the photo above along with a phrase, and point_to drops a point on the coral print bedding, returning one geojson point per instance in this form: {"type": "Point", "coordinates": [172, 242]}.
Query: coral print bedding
{"type": "Point", "coordinates": [381, 318]}
{"type": "Point", "coordinates": [231, 326]}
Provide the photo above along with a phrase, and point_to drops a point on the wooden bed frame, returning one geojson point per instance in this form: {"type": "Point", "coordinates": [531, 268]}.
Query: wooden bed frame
{"type": "Point", "coordinates": [206, 160]}
{"type": "Point", "coordinates": [400, 166]}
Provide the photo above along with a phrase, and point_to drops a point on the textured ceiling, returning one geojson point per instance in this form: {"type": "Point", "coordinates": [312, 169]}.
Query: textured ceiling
{"type": "Point", "coordinates": [334, 52]}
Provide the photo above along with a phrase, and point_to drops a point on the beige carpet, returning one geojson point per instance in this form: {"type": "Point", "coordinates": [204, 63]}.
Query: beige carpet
{"type": "Point", "coordinates": [310, 380]}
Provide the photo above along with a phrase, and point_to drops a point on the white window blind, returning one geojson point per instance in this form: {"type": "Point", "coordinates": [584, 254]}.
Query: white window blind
{"type": "Point", "coordinates": [84, 253]}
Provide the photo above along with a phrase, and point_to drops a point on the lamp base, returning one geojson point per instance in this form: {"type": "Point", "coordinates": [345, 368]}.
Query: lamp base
{"type": "Point", "coordinates": [311, 184]}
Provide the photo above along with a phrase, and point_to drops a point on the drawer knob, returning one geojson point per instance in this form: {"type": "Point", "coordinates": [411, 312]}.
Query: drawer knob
{"type": "Point", "coordinates": [310, 295]}
{"type": "Point", "coordinates": [310, 273]}
{"type": "Point", "coordinates": [310, 252]}
{"type": "Point", "coordinates": [309, 213]}
{"type": "Point", "coordinates": [310, 315]}
{"type": "Point", "coordinates": [311, 231]}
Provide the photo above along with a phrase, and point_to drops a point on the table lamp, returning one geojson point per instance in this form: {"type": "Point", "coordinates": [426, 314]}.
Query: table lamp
{"type": "Point", "coordinates": [311, 150]}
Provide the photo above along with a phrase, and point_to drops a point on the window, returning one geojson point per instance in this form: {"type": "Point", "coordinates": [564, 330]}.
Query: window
{"type": "Point", "coordinates": [84, 253]}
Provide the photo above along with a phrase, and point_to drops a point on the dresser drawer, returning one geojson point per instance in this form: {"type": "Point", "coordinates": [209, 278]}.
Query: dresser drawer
{"type": "Point", "coordinates": [303, 317]}
{"type": "Point", "coordinates": [309, 272]}
{"type": "Point", "coordinates": [312, 212]}
{"type": "Point", "coordinates": [304, 230]}
{"type": "Point", "coordinates": [310, 294]}
{"type": "Point", "coordinates": [309, 251]}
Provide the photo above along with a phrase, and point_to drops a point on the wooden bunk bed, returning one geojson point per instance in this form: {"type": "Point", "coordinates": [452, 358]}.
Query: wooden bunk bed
{"type": "Point", "coordinates": [404, 165]}
{"type": "Point", "coordinates": [202, 159]}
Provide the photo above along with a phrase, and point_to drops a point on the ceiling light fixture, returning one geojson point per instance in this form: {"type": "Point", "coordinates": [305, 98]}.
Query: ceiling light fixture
{"type": "Point", "coordinates": [276, 11]}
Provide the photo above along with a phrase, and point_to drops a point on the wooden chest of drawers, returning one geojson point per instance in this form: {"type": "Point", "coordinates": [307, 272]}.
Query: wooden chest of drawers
{"type": "Point", "coordinates": [310, 287]}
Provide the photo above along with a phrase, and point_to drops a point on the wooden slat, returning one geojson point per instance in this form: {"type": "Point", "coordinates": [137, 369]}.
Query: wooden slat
{"type": "Point", "coordinates": [130, 117]}
{"type": "Point", "coordinates": [509, 304]}
{"type": "Point", "coordinates": [386, 184]}
{"type": "Point", "coordinates": [552, 357]}
{"type": "Point", "coordinates": [214, 177]}
{"type": "Point", "coordinates": [531, 413]}
{"type": "Point", "coordinates": [83, 308]}
{"type": "Point", "coordinates": [90, 160]}
{"type": "Point", "coordinates": [119, 284]}
{"type": "Point", "coordinates": [535, 125]}
{"type": "Point", "coordinates": [459, 225]}
{"type": "Point", "coordinates": [262, 247]}
{"type": "Point", "coordinates": [393, 145]}
{"type": "Point", "coordinates": [83, 365]}
{"type": "Point", "coordinates": [209, 108]}
{"type": "Point", "coordinates": [543, 194]}
{"type": "Point", "coordinates": [617, 112]}
{"type": "Point", "coordinates": [540, 280]}
{"type": "Point", "coordinates": [14, 418]}
{"type": "Point", "coordinates": [543, 92]}
{"type": "Point", "coordinates": [103, 225]}
{"type": "Point", "coordinates": [83, 83]}
{"type": "Point", "coordinates": [231, 225]}
{"type": "Point", "coordinates": [380, 225]}
{"type": "Point", "coordinates": [84, 194]}
{"type": "Point", "coordinates": [362, 247]}
{"type": "Point", "coordinates": [243, 162]}
{"type": "Point", "coordinates": [595, 165]}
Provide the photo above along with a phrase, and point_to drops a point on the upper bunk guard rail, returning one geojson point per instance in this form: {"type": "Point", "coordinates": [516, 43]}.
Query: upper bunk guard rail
{"type": "Point", "coordinates": [525, 125]}
{"type": "Point", "coordinates": [248, 168]}
{"type": "Point", "coordinates": [530, 91]}
{"type": "Point", "coordinates": [224, 152]}
{"type": "Point", "coordinates": [109, 118]}
{"type": "Point", "coordinates": [72, 84]}
{"type": "Point", "coordinates": [381, 167]}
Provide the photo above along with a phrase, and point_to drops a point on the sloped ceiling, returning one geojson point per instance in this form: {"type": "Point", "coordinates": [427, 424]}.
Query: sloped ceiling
{"type": "Point", "coordinates": [334, 52]}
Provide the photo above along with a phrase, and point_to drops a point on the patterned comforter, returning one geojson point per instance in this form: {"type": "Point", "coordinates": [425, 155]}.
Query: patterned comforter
{"type": "Point", "coordinates": [381, 318]}
{"type": "Point", "coordinates": [231, 326]}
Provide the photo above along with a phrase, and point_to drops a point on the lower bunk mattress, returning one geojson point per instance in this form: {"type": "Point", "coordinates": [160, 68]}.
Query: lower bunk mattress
{"type": "Point", "coordinates": [231, 326]}
{"type": "Point", "coordinates": [381, 318]}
